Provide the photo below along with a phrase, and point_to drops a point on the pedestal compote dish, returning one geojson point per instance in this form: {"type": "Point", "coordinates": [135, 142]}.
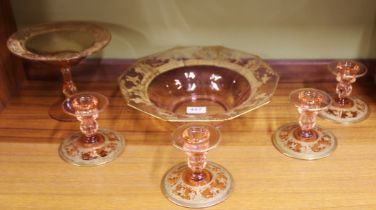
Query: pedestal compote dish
{"type": "Point", "coordinates": [62, 44]}
{"type": "Point", "coordinates": [304, 139]}
{"type": "Point", "coordinates": [92, 146]}
{"type": "Point", "coordinates": [345, 109]}
{"type": "Point", "coordinates": [201, 87]}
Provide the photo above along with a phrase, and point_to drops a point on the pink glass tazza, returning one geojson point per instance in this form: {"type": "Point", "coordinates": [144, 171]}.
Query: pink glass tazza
{"type": "Point", "coordinates": [62, 44]}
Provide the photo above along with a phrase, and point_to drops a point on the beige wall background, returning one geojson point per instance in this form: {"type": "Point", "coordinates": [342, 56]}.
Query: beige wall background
{"type": "Point", "coordinates": [278, 29]}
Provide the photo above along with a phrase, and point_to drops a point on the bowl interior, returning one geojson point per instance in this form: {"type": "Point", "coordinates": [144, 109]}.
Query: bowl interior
{"type": "Point", "coordinates": [60, 42]}
{"type": "Point", "coordinates": [199, 90]}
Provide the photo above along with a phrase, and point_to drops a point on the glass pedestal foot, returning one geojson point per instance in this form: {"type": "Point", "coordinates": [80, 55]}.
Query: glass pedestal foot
{"type": "Point", "coordinates": [355, 110]}
{"type": "Point", "coordinates": [180, 189]}
{"type": "Point", "coordinates": [108, 147]}
{"type": "Point", "coordinates": [56, 112]}
{"type": "Point", "coordinates": [287, 139]}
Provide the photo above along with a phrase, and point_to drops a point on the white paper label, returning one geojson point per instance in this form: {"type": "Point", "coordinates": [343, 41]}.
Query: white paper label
{"type": "Point", "coordinates": [196, 109]}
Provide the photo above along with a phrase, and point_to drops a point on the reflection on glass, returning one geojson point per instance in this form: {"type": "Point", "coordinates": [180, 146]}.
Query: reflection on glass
{"type": "Point", "coordinates": [213, 88]}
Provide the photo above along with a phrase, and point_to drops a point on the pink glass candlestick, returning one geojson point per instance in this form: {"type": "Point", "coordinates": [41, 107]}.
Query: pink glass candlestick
{"type": "Point", "coordinates": [305, 140]}
{"type": "Point", "coordinates": [92, 146]}
{"type": "Point", "coordinates": [345, 109]}
{"type": "Point", "coordinates": [196, 183]}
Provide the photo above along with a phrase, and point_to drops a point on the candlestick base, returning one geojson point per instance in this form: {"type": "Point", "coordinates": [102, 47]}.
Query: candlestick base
{"type": "Point", "coordinates": [108, 147]}
{"type": "Point", "coordinates": [355, 110]}
{"type": "Point", "coordinates": [319, 145]}
{"type": "Point", "coordinates": [180, 189]}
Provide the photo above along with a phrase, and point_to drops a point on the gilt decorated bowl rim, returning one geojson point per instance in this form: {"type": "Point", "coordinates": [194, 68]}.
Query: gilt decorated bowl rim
{"type": "Point", "coordinates": [135, 80]}
{"type": "Point", "coordinates": [17, 42]}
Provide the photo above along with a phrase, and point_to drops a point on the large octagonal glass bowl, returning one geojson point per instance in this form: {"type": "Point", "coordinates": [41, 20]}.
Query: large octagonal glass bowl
{"type": "Point", "coordinates": [199, 86]}
{"type": "Point", "coordinates": [229, 82]}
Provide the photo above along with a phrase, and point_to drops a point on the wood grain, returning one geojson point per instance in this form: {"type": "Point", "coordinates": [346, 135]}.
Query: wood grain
{"type": "Point", "coordinates": [11, 71]}
{"type": "Point", "coordinates": [32, 176]}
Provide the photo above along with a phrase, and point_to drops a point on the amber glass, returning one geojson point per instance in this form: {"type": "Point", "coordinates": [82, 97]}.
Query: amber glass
{"type": "Point", "coordinates": [305, 140]}
{"type": "Point", "coordinates": [345, 109]}
{"type": "Point", "coordinates": [63, 44]}
{"type": "Point", "coordinates": [201, 87]}
{"type": "Point", "coordinates": [92, 146]}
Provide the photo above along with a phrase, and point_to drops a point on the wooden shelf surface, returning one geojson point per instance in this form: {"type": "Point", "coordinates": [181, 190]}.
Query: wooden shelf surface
{"type": "Point", "coordinates": [32, 175]}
